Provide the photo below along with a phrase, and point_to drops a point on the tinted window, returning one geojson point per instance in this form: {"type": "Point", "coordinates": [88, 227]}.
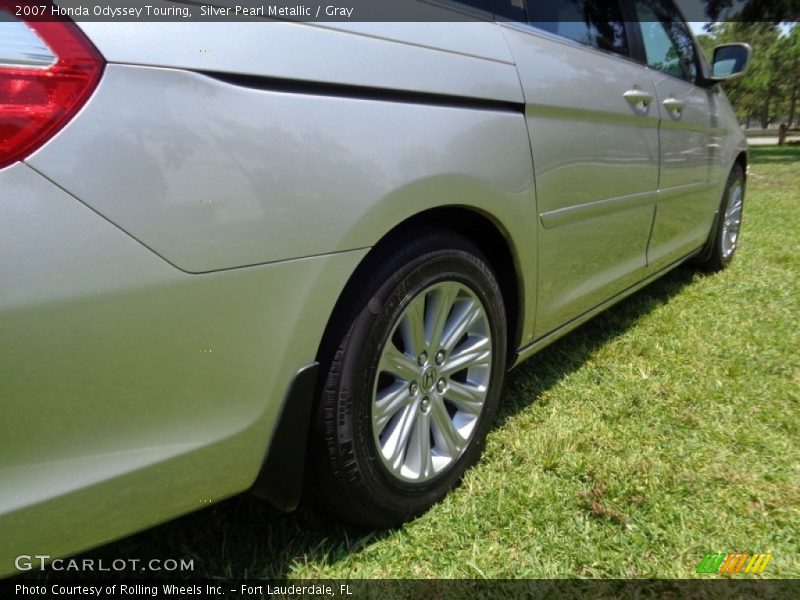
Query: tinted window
{"type": "Point", "coordinates": [509, 9]}
{"type": "Point", "coordinates": [668, 43]}
{"type": "Point", "coordinates": [513, 10]}
{"type": "Point", "coordinates": [479, 4]}
{"type": "Point", "coordinates": [595, 23]}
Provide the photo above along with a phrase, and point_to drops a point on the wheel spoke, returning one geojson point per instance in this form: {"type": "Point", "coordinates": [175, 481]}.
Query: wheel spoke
{"type": "Point", "coordinates": [444, 432]}
{"type": "Point", "coordinates": [396, 442]}
{"type": "Point", "coordinates": [466, 397]}
{"type": "Point", "coordinates": [475, 354]}
{"type": "Point", "coordinates": [387, 403]}
{"type": "Point", "coordinates": [462, 319]}
{"type": "Point", "coordinates": [440, 303]}
{"type": "Point", "coordinates": [396, 363]}
{"type": "Point", "coordinates": [412, 326]}
{"type": "Point", "coordinates": [418, 456]}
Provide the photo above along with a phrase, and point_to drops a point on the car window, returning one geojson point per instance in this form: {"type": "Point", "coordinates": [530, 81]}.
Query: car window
{"type": "Point", "coordinates": [509, 9]}
{"type": "Point", "coordinates": [590, 22]}
{"type": "Point", "coordinates": [502, 9]}
{"type": "Point", "coordinates": [668, 43]}
{"type": "Point", "coordinates": [479, 4]}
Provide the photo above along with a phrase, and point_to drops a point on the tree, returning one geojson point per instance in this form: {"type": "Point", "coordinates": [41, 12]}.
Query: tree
{"type": "Point", "coordinates": [773, 11]}
{"type": "Point", "coordinates": [790, 59]}
{"type": "Point", "coordinates": [773, 81]}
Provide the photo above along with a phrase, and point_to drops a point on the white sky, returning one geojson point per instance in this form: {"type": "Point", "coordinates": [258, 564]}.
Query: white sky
{"type": "Point", "coordinates": [697, 28]}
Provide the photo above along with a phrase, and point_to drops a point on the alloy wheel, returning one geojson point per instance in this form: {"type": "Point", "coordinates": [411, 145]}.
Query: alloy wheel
{"type": "Point", "coordinates": [431, 383]}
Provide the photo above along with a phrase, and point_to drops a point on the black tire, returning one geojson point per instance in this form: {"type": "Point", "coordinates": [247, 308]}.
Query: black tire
{"type": "Point", "coordinates": [719, 251]}
{"type": "Point", "coordinates": [347, 473]}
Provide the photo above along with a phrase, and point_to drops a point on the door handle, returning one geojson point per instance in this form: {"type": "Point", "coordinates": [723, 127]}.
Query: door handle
{"type": "Point", "coordinates": [674, 106]}
{"type": "Point", "coordinates": [639, 99]}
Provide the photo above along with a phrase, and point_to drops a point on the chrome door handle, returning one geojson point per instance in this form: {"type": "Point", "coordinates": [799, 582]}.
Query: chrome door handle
{"type": "Point", "coordinates": [674, 106]}
{"type": "Point", "coordinates": [639, 99]}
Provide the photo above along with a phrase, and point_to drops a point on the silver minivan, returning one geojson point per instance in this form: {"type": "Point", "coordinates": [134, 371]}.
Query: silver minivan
{"type": "Point", "coordinates": [299, 257]}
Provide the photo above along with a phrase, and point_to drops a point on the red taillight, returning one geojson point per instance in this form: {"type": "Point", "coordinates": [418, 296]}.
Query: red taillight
{"type": "Point", "coordinates": [37, 99]}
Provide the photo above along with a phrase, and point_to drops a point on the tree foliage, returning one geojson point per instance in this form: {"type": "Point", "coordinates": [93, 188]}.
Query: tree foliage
{"type": "Point", "coordinates": [769, 90]}
{"type": "Point", "coordinates": [753, 11]}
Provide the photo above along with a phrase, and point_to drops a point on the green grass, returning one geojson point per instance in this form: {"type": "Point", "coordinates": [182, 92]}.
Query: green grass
{"type": "Point", "coordinates": [666, 428]}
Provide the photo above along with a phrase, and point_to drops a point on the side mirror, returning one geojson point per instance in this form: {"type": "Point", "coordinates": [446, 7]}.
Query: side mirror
{"type": "Point", "coordinates": [730, 61]}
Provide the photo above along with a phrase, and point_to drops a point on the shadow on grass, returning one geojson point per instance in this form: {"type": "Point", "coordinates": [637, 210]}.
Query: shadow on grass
{"type": "Point", "coordinates": [240, 538]}
{"type": "Point", "coordinates": [770, 155]}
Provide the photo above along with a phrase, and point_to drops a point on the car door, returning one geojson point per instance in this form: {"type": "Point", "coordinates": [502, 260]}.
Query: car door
{"type": "Point", "coordinates": [594, 138]}
{"type": "Point", "coordinates": [686, 199]}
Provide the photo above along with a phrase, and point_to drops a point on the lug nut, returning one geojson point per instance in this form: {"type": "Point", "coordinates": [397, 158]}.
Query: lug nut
{"type": "Point", "coordinates": [422, 359]}
{"type": "Point", "coordinates": [441, 386]}
{"type": "Point", "coordinates": [425, 405]}
{"type": "Point", "coordinates": [413, 388]}
{"type": "Point", "coordinates": [440, 357]}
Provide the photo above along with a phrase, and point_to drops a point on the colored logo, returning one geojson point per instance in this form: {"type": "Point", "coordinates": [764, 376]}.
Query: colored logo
{"type": "Point", "coordinates": [736, 562]}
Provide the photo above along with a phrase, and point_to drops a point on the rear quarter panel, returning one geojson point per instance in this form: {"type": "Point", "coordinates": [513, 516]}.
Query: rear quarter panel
{"type": "Point", "coordinates": [212, 175]}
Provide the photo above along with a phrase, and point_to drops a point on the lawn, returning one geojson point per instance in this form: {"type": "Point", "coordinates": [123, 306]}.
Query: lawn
{"type": "Point", "coordinates": [662, 430]}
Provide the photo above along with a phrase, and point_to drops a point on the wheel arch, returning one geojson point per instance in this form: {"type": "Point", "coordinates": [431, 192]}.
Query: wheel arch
{"type": "Point", "coordinates": [474, 224]}
{"type": "Point", "coordinates": [742, 160]}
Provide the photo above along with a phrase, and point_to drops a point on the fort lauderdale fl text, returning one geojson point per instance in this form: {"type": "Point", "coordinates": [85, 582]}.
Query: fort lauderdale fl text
{"type": "Point", "coordinates": [186, 12]}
